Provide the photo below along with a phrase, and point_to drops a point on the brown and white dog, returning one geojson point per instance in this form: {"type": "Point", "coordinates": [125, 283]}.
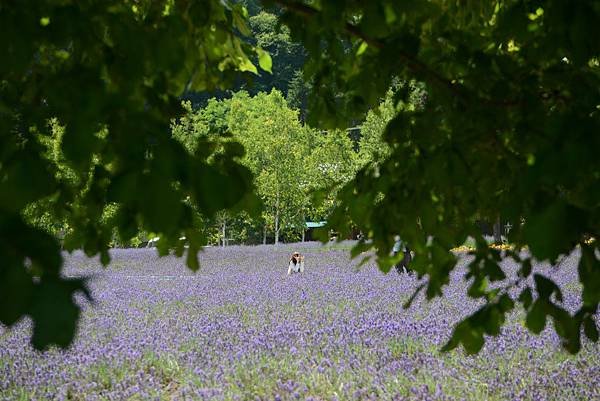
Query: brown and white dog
{"type": "Point", "coordinates": [296, 263]}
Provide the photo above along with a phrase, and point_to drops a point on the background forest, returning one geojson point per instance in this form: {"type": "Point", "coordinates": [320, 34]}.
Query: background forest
{"type": "Point", "coordinates": [297, 169]}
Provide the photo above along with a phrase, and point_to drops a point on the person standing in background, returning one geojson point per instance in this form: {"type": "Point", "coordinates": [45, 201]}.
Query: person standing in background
{"type": "Point", "coordinates": [400, 246]}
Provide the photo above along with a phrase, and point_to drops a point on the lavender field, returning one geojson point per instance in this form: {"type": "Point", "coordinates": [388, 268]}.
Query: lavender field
{"type": "Point", "coordinates": [241, 329]}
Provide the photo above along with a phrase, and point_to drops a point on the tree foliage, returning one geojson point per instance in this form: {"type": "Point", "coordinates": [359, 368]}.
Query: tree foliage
{"type": "Point", "coordinates": [288, 56]}
{"type": "Point", "coordinates": [509, 128]}
{"type": "Point", "coordinates": [287, 59]}
{"type": "Point", "coordinates": [289, 161]}
{"type": "Point", "coordinates": [110, 73]}
{"type": "Point", "coordinates": [276, 146]}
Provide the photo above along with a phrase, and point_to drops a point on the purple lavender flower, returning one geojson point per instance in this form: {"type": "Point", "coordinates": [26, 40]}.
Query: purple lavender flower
{"type": "Point", "coordinates": [242, 329]}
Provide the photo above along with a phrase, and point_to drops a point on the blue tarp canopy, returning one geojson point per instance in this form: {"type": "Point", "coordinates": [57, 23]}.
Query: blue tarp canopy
{"type": "Point", "coordinates": [315, 224]}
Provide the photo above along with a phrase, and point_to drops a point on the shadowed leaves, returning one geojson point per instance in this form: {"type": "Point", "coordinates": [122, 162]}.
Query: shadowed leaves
{"type": "Point", "coordinates": [109, 75]}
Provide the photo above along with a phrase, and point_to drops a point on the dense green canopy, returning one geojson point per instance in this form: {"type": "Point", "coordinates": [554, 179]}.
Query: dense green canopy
{"type": "Point", "coordinates": [507, 129]}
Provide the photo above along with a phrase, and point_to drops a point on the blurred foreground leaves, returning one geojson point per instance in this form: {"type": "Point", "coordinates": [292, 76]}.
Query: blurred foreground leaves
{"type": "Point", "coordinates": [87, 93]}
{"type": "Point", "coordinates": [508, 131]}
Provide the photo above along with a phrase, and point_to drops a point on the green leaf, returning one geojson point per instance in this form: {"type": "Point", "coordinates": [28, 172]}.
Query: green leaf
{"type": "Point", "coordinates": [589, 276]}
{"type": "Point", "coordinates": [505, 303]}
{"type": "Point", "coordinates": [567, 327]}
{"type": "Point", "coordinates": [157, 195]}
{"type": "Point", "coordinates": [246, 65]}
{"type": "Point", "coordinates": [488, 319]}
{"type": "Point", "coordinates": [471, 339]}
{"type": "Point", "coordinates": [536, 317]}
{"type": "Point", "coordinates": [526, 297]}
{"type": "Point", "coordinates": [478, 287]}
{"type": "Point", "coordinates": [390, 15]}
{"type": "Point", "coordinates": [239, 21]}
{"type": "Point", "coordinates": [16, 289]}
{"type": "Point", "coordinates": [362, 48]}
{"type": "Point", "coordinates": [25, 181]}
{"type": "Point", "coordinates": [492, 320]}
{"type": "Point", "coordinates": [590, 329]}
{"type": "Point", "coordinates": [525, 269]}
{"type": "Point", "coordinates": [79, 142]}
{"type": "Point", "coordinates": [192, 258]}
{"type": "Point", "coordinates": [553, 230]}
{"type": "Point", "coordinates": [104, 257]}
{"type": "Point", "coordinates": [264, 60]}
{"type": "Point", "coordinates": [54, 312]}
{"type": "Point", "coordinates": [546, 287]}
{"type": "Point", "coordinates": [493, 270]}
{"type": "Point", "coordinates": [321, 234]}
{"type": "Point", "coordinates": [126, 223]}
{"type": "Point", "coordinates": [359, 248]}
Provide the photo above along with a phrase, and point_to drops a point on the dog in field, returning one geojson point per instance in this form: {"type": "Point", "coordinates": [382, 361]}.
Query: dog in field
{"type": "Point", "coordinates": [296, 263]}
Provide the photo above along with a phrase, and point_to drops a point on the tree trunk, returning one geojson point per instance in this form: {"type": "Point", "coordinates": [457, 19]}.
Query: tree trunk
{"type": "Point", "coordinates": [265, 234]}
{"type": "Point", "coordinates": [303, 234]}
{"type": "Point", "coordinates": [223, 231]}
{"type": "Point", "coordinates": [277, 227]}
{"type": "Point", "coordinates": [277, 219]}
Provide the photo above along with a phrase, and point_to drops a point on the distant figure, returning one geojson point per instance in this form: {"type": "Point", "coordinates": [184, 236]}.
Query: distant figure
{"type": "Point", "coordinates": [296, 263]}
{"type": "Point", "coordinates": [400, 246]}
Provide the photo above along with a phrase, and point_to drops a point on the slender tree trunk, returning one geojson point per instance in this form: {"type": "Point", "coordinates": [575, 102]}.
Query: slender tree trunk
{"type": "Point", "coordinates": [303, 234]}
{"type": "Point", "coordinates": [277, 219]}
{"type": "Point", "coordinates": [277, 227]}
{"type": "Point", "coordinates": [223, 231]}
{"type": "Point", "coordinates": [265, 234]}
